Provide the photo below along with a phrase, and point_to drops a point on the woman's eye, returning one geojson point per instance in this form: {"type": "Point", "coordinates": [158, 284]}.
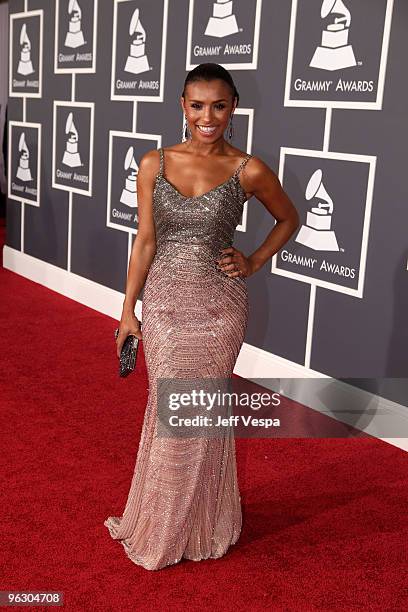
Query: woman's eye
{"type": "Point", "coordinates": [218, 106]}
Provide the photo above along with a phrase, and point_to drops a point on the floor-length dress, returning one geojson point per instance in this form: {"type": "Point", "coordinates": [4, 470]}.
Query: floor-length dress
{"type": "Point", "coordinates": [184, 499]}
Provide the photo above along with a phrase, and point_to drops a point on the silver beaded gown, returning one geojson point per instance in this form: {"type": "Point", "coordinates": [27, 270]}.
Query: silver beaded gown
{"type": "Point", "coordinates": [184, 500]}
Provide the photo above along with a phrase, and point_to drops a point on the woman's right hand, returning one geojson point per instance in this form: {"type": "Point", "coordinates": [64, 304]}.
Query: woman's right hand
{"type": "Point", "coordinates": [129, 324]}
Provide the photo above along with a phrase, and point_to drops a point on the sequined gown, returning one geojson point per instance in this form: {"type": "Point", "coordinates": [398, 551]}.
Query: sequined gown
{"type": "Point", "coordinates": [184, 500]}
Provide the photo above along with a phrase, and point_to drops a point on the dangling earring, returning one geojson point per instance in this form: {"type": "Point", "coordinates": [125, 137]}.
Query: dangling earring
{"type": "Point", "coordinates": [186, 134]}
{"type": "Point", "coordinates": [231, 129]}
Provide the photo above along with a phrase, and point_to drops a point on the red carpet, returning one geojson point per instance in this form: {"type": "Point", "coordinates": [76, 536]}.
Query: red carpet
{"type": "Point", "coordinates": [325, 521]}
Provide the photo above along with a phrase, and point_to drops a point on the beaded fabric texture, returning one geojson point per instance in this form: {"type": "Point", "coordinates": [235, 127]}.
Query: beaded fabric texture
{"type": "Point", "coordinates": [184, 500]}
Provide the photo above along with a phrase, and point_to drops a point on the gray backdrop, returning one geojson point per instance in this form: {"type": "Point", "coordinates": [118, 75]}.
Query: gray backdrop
{"type": "Point", "coordinates": [359, 327]}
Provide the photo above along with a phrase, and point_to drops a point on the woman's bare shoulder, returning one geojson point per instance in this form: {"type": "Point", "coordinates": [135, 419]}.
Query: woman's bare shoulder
{"type": "Point", "coordinates": [238, 154]}
{"type": "Point", "coordinates": [149, 163]}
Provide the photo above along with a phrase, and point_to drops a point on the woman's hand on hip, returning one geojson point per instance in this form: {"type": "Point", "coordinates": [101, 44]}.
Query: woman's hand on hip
{"type": "Point", "coordinates": [234, 263]}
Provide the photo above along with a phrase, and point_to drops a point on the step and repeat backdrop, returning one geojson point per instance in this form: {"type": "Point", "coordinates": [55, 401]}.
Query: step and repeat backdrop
{"type": "Point", "coordinates": [95, 84]}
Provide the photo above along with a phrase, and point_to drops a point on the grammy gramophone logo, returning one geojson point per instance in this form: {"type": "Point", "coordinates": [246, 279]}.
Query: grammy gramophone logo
{"type": "Point", "coordinates": [137, 61]}
{"type": "Point", "coordinates": [25, 65]}
{"type": "Point", "coordinates": [317, 233]}
{"type": "Point", "coordinates": [23, 171]}
{"type": "Point", "coordinates": [334, 52]}
{"type": "Point", "coordinates": [74, 37]}
{"type": "Point", "coordinates": [223, 21]}
{"type": "Point", "coordinates": [129, 191]}
{"type": "Point", "coordinates": [71, 155]}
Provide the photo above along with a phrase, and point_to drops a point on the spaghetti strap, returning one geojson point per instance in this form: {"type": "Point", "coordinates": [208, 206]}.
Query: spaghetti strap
{"type": "Point", "coordinates": [242, 164]}
{"type": "Point", "coordinates": [161, 162]}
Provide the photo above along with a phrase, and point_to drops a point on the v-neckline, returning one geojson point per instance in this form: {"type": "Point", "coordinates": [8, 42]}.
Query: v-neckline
{"type": "Point", "coordinates": [201, 195]}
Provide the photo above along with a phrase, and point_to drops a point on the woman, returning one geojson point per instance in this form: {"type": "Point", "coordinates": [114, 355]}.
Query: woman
{"type": "Point", "coordinates": [184, 498]}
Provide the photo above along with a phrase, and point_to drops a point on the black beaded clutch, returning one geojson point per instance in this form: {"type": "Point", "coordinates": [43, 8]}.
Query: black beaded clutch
{"type": "Point", "coordinates": [128, 354]}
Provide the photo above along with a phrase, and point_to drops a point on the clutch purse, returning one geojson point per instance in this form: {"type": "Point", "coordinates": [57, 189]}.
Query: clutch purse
{"type": "Point", "coordinates": [128, 354]}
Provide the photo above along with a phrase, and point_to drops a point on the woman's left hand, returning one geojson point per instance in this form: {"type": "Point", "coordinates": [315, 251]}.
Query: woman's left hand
{"type": "Point", "coordinates": [234, 263]}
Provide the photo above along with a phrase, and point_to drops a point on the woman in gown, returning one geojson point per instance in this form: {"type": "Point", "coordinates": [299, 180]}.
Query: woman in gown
{"type": "Point", "coordinates": [184, 499]}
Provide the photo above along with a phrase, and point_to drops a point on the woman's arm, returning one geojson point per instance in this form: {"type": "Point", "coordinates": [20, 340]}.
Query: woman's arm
{"type": "Point", "coordinates": [263, 183]}
{"type": "Point", "coordinates": [259, 180]}
{"type": "Point", "coordinates": [143, 249]}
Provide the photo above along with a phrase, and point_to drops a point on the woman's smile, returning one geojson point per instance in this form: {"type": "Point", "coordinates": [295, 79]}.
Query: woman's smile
{"type": "Point", "coordinates": [207, 130]}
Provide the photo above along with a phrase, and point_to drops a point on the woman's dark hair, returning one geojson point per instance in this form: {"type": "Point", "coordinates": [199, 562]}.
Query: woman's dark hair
{"type": "Point", "coordinates": [209, 72]}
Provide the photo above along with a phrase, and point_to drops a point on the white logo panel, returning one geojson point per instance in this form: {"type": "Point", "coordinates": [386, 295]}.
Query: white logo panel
{"type": "Point", "coordinates": [337, 53]}
{"type": "Point", "coordinates": [72, 151]}
{"type": "Point", "coordinates": [75, 36]}
{"type": "Point", "coordinates": [26, 54]}
{"type": "Point", "coordinates": [138, 53]}
{"type": "Point", "coordinates": [125, 151]}
{"type": "Point", "coordinates": [24, 155]}
{"type": "Point", "coordinates": [330, 247]}
{"type": "Point", "coordinates": [225, 32]}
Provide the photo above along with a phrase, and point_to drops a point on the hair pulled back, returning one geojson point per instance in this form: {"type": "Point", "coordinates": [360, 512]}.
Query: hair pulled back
{"type": "Point", "coordinates": [209, 72]}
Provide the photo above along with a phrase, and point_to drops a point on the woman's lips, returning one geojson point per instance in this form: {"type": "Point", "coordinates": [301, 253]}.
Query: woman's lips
{"type": "Point", "coordinates": [207, 132]}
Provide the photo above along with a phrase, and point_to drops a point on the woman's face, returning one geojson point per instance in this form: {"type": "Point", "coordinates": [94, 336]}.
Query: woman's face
{"type": "Point", "coordinates": [208, 104]}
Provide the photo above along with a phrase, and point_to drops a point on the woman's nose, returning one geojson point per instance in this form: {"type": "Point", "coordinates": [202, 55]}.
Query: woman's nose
{"type": "Point", "coordinates": [208, 115]}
